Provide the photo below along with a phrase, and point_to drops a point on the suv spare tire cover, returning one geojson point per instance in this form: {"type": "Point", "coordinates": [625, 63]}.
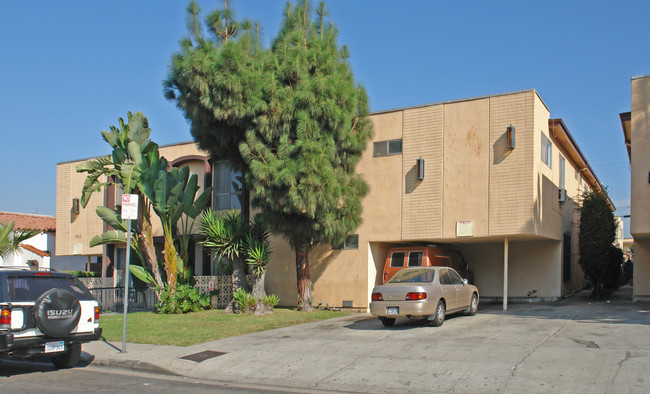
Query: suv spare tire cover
{"type": "Point", "coordinates": [57, 312]}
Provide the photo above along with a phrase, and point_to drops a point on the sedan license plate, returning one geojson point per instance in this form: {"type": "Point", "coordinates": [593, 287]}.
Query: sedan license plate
{"type": "Point", "coordinates": [392, 310]}
{"type": "Point", "coordinates": [53, 347]}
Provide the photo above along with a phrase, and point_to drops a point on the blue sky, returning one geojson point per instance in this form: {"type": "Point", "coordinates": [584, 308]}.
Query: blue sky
{"type": "Point", "coordinates": [70, 69]}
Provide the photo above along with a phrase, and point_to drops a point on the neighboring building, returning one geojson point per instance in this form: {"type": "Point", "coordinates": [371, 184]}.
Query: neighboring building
{"type": "Point", "coordinates": [38, 251]}
{"type": "Point", "coordinates": [76, 225]}
{"type": "Point", "coordinates": [636, 129]}
{"type": "Point", "coordinates": [494, 177]}
{"type": "Point", "coordinates": [620, 232]}
{"type": "Point", "coordinates": [507, 203]}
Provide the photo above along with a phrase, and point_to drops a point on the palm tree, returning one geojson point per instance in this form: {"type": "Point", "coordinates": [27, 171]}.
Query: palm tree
{"type": "Point", "coordinates": [10, 240]}
{"type": "Point", "coordinates": [225, 235]}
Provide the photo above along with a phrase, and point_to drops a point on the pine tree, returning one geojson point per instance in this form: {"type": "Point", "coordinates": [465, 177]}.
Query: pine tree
{"type": "Point", "coordinates": [291, 118]}
{"type": "Point", "coordinates": [596, 238]}
{"type": "Point", "coordinates": [303, 150]}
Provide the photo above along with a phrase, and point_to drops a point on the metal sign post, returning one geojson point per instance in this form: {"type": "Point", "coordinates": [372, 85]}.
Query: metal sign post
{"type": "Point", "coordinates": [129, 212]}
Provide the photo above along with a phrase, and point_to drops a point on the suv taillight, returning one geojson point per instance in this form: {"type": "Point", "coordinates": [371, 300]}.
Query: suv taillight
{"type": "Point", "coordinates": [5, 319]}
{"type": "Point", "coordinates": [385, 276]}
{"type": "Point", "coordinates": [96, 314]}
{"type": "Point", "coordinates": [416, 296]}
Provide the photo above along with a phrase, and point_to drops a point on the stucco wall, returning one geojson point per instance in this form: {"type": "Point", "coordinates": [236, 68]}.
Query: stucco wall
{"type": "Point", "coordinates": [640, 196]}
{"type": "Point", "coordinates": [641, 278]}
{"type": "Point", "coordinates": [534, 268]}
{"type": "Point", "coordinates": [511, 188]}
{"type": "Point", "coordinates": [466, 166]}
{"type": "Point", "coordinates": [421, 199]}
{"type": "Point", "coordinates": [74, 231]}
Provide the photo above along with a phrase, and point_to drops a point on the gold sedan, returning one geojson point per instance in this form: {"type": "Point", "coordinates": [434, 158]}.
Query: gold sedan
{"type": "Point", "coordinates": [424, 292]}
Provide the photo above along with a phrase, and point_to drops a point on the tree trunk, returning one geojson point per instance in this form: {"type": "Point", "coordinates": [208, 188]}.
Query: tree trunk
{"type": "Point", "coordinates": [171, 260]}
{"type": "Point", "coordinates": [238, 282]}
{"type": "Point", "coordinates": [258, 286]}
{"type": "Point", "coordinates": [145, 243]}
{"type": "Point", "coordinates": [304, 280]}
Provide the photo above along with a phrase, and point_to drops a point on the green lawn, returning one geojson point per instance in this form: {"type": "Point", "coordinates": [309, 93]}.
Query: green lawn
{"type": "Point", "coordinates": [199, 327]}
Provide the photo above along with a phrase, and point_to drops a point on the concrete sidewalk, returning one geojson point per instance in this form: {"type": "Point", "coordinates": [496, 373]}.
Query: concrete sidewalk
{"type": "Point", "coordinates": [570, 346]}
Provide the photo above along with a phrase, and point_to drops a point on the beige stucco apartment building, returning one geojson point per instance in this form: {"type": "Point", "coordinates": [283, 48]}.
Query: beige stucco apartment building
{"type": "Point", "coordinates": [501, 182]}
{"type": "Point", "coordinates": [636, 128]}
{"type": "Point", "coordinates": [76, 225]}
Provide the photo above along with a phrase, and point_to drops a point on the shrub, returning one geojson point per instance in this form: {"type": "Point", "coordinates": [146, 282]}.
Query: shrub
{"type": "Point", "coordinates": [185, 299]}
{"type": "Point", "coordinates": [244, 300]}
{"type": "Point", "coordinates": [85, 274]}
{"type": "Point", "coordinates": [271, 300]}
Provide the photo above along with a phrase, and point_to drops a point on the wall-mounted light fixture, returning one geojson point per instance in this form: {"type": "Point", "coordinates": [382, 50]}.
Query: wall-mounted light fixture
{"type": "Point", "coordinates": [75, 205]}
{"type": "Point", "coordinates": [420, 168]}
{"type": "Point", "coordinates": [510, 137]}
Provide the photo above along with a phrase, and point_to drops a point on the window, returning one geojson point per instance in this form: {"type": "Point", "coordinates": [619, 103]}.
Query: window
{"type": "Point", "coordinates": [415, 259]}
{"type": "Point", "coordinates": [351, 242]}
{"type": "Point", "coordinates": [455, 278]}
{"type": "Point", "coordinates": [227, 187]}
{"type": "Point", "coordinates": [387, 148]}
{"type": "Point", "coordinates": [445, 279]}
{"type": "Point", "coordinates": [562, 167]}
{"type": "Point", "coordinates": [547, 151]}
{"type": "Point", "coordinates": [397, 259]}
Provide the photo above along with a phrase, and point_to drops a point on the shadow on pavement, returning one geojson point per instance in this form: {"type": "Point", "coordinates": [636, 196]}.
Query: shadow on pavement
{"type": "Point", "coordinates": [619, 309]}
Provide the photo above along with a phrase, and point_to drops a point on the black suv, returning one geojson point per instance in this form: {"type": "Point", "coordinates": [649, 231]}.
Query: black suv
{"type": "Point", "coordinates": [46, 312]}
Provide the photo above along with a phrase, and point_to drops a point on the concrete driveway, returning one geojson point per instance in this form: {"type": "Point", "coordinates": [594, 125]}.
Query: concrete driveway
{"type": "Point", "coordinates": [572, 346]}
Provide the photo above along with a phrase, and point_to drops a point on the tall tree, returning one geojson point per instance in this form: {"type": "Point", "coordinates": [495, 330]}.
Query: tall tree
{"type": "Point", "coordinates": [291, 118]}
{"type": "Point", "coordinates": [596, 238]}
{"type": "Point", "coordinates": [302, 152]}
{"type": "Point", "coordinates": [217, 81]}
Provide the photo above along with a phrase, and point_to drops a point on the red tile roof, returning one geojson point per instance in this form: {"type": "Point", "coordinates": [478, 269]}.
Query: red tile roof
{"type": "Point", "coordinates": [34, 250]}
{"type": "Point", "coordinates": [25, 221]}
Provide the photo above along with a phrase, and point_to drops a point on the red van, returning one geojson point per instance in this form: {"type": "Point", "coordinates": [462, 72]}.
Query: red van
{"type": "Point", "coordinates": [424, 256]}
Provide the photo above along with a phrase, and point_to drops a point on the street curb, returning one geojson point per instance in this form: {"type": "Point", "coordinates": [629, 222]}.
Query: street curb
{"type": "Point", "coordinates": [138, 365]}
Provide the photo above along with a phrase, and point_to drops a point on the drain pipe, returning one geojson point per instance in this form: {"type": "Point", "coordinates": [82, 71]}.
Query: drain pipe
{"type": "Point", "coordinates": [505, 274]}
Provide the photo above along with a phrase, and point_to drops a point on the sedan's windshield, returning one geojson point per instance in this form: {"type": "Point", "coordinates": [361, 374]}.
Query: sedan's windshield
{"type": "Point", "coordinates": [413, 276]}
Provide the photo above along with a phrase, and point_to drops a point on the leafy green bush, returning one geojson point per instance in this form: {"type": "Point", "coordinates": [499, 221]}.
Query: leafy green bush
{"type": "Point", "coordinates": [244, 301]}
{"type": "Point", "coordinates": [271, 300]}
{"type": "Point", "coordinates": [185, 299]}
{"type": "Point", "coordinates": [85, 274]}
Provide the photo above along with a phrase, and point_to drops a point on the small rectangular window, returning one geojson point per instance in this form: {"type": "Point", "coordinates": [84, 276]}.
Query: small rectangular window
{"type": "Point", "coordinates": [387, 148]}
{"type": "Point", "coordinates": [397, 259]}
{"type": "Point", "coordinates": [227, 187]}
{"type": "Point", "coordinates": [415, 259]}
{"type": "Point", "coordinates": [562, 168]}
{"type": "Point", "coordinates": [351, 242]}
{"type": "Point", "coordinates": [547, 151]}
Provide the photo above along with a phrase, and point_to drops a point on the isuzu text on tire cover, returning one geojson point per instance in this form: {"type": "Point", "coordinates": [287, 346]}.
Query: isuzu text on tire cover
{"type": "Point", "coordinates": [44, 312]}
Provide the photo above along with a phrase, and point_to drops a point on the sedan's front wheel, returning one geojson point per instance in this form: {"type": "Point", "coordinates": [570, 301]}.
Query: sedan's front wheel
{"type": "Point", "coordinates": [439, 317]}
{"type": "Point", "coordinates": [473, 306]}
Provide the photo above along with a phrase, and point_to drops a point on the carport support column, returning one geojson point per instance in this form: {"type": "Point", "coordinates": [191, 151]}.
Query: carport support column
{"type": "Point", "coordinates": [505, 274]}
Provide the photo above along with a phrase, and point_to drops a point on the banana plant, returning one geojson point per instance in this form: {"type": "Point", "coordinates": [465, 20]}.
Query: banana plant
{"type": "Point", "coordinates": [124, 168]}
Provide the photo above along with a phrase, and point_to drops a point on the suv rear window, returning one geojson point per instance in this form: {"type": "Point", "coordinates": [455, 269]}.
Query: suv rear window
{"type": "Point", "coordinates": [415, 259]}
{"type": "Point", "coordinates": [29, 288]}
{"type": "Point", "coordinates": [397, 259]}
